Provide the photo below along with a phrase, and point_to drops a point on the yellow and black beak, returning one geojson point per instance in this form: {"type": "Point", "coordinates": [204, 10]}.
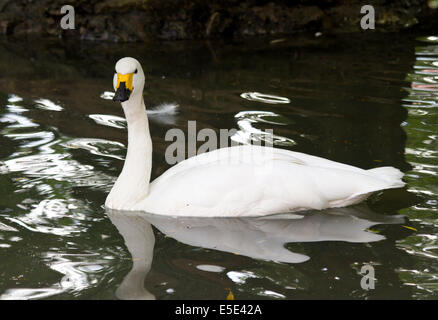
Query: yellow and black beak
{"type": "Point", "coordinates": [123, 87]}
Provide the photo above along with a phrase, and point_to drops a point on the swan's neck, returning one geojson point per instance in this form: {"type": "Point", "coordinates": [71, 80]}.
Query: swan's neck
{"type": "Point", "coordinates": [133, 183]}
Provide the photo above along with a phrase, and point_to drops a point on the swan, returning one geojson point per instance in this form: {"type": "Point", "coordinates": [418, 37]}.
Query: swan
{"type": "Point", "coordinates": [237, 181]}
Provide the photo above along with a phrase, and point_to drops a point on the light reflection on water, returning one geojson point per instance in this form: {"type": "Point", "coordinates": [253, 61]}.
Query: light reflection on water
{"type": "Point", "coordinates": [46, 104]}
{"type": "Point", "coordinates": [422, 153]}
{"type": "Point", "coordinates": [60, 156]}
{"type": "Point", "coordinates": [109, 120]}
{"type": "Point", "coordinates": [265, 98]}
{"type": "Point", "coordinates": [248, 134]}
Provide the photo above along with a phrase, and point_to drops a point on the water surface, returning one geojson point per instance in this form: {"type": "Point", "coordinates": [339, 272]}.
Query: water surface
{"type": "Point", "coordinates": [367, 100]}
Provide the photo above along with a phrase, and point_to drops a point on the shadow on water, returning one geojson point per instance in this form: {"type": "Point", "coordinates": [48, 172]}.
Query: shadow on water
{"type": "Point", "coordinates": [365, 100]}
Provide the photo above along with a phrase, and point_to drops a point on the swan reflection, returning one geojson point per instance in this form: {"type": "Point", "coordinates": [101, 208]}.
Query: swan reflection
{"type": "Point", "coordinates": [258, 238]}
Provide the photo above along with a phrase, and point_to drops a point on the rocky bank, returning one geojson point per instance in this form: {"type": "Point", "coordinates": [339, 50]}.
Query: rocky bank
{"type": "Point", "coordinates": [140, 20]}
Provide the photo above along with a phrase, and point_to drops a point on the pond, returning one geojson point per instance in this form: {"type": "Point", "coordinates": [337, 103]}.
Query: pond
{"type": "Point", "coordinates": [367, 99]}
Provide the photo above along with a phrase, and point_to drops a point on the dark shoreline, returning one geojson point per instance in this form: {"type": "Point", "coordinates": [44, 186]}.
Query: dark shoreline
{"type": "Point", "coordinates": [144, 20]}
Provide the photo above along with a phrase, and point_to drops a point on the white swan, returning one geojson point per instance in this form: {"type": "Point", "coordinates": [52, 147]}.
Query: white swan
{"type": "Point", "coordinates": [235, 181]}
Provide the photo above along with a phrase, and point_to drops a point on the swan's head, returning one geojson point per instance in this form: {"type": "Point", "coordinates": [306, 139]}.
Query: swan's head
{"type": "Point", "coordinates": [128, 79]}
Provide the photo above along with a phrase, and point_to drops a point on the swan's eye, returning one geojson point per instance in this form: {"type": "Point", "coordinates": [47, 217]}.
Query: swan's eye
{"type": "Point", "coordinates": [136, 71]}
{"type": "Point", "coordinates": [115, 71]}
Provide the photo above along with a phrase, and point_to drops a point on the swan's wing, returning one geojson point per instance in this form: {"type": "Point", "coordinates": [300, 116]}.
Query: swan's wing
{"type": "Point", "coordinates": [249, 155]}
{"type": "Point", "coordinates": [257, 155]}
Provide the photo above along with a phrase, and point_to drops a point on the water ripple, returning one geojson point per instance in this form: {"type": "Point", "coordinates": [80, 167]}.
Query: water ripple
{"type": "Point", "coordinates": [265, 98]}
{"type": "Point", "coordinates": [109, 120]}
{"type": "Point", "coordinates": [421, 152]}
{"type": "Point", "coordinates": [248, 134]}
{"type": "Point", "coordinates": [14, 98]}
{"type": "Point", "coordinates": [46, 104]}
{"type": "Point", "coordinates": [53, 216]}
{"type": "Point", "coordinates": [107, 95]}
{"type": "Point", "coordinates": [99, 147]}
{"type": "Point", "coordinates": [56, 167]}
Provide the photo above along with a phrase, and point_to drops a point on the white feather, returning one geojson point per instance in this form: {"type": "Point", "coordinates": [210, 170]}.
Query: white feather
{"type": "Point", "coordinates": [165, 109]}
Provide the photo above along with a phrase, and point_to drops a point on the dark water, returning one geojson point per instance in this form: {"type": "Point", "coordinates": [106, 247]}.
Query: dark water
{"type": "Point", "coordinates": [366, 100]}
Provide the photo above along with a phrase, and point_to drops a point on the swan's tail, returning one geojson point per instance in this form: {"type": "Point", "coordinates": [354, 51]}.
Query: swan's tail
{"type": "Point", "coordinates": [389, 174]}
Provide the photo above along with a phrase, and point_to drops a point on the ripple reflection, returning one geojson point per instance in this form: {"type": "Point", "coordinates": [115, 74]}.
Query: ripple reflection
{"type": "Point", "coordinates": [248, 134]}
{"type": "Point", "coordinates": [265, 98]}
{"type": "Point", "coordinates": [421, 152]}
